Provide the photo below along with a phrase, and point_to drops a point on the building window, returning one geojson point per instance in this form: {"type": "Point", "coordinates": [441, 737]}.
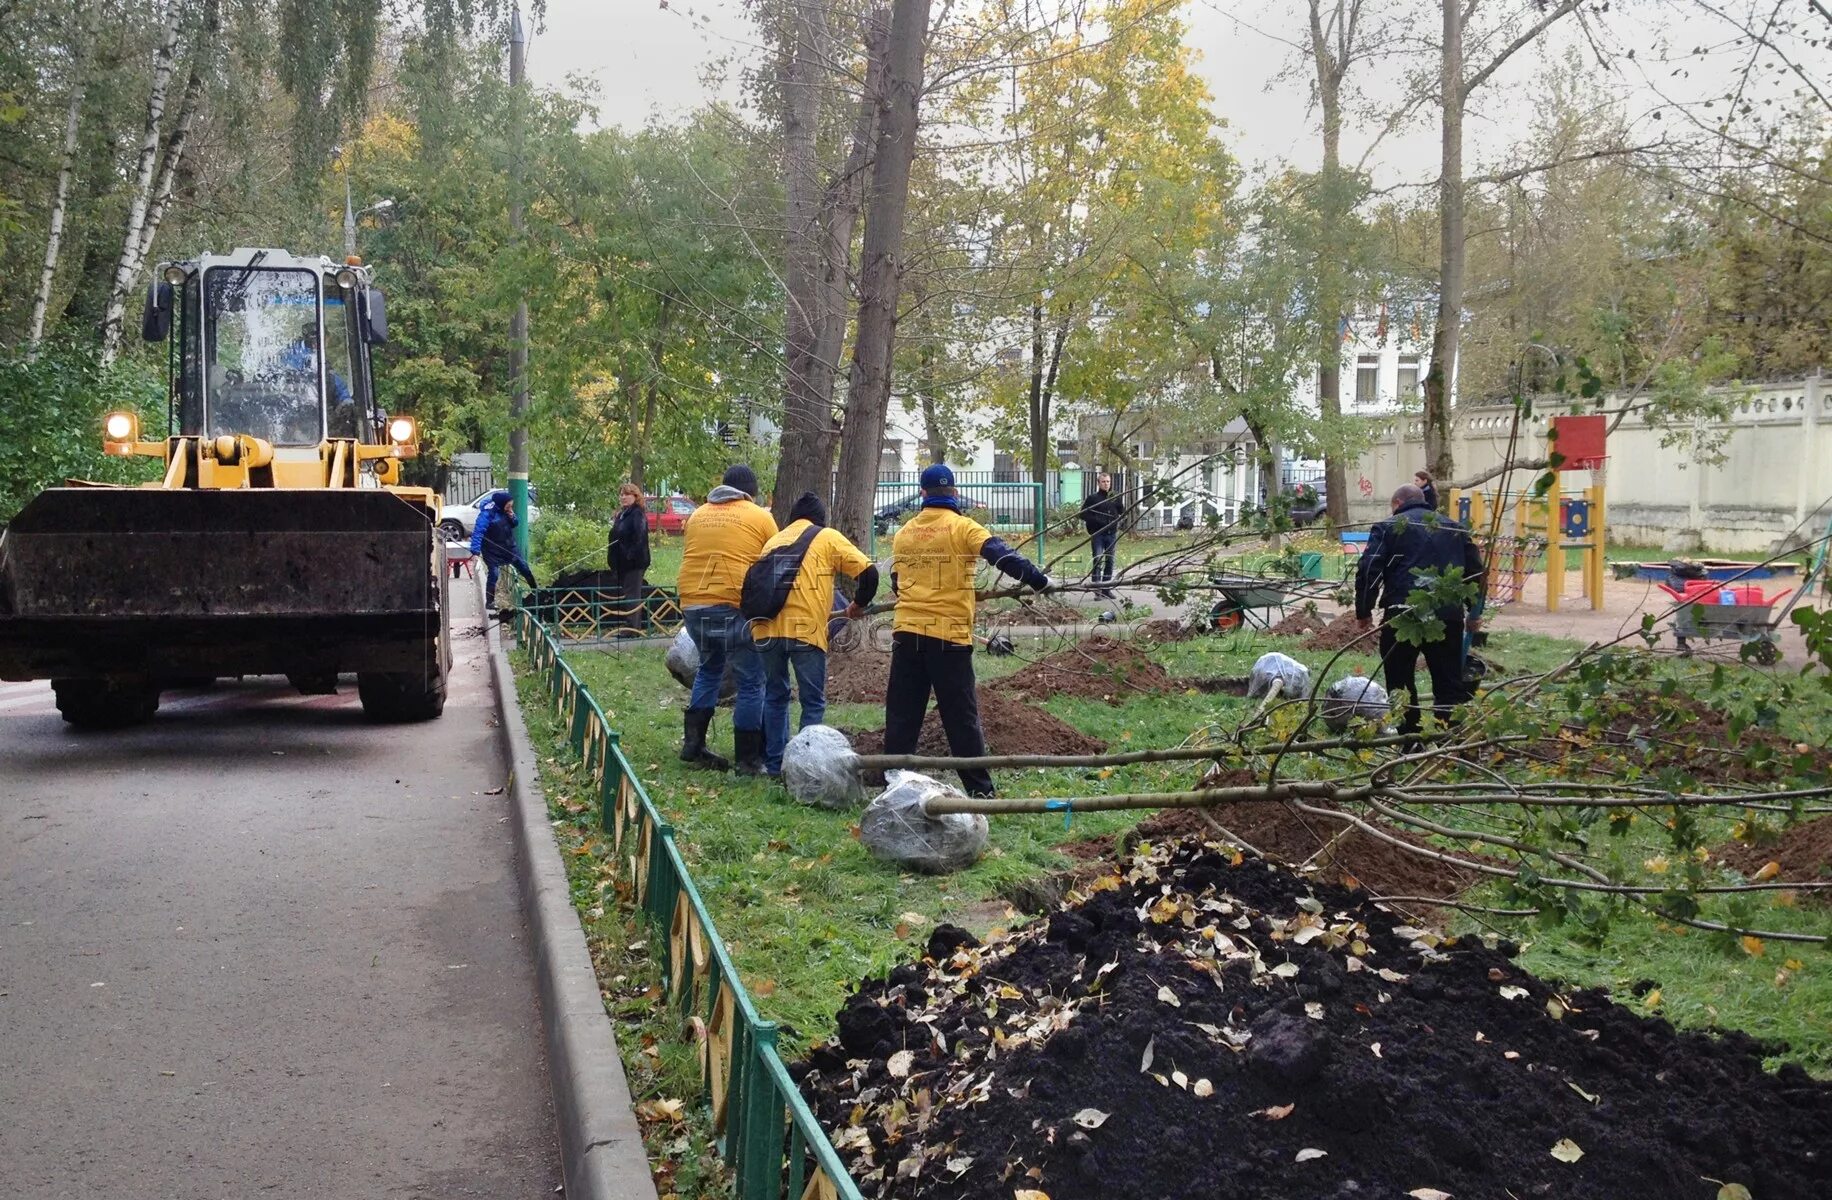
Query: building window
{"type": "Point", "coordinates": [1367, 380]}
{"type": "Point", "coordinates": [1408, 376]}
{"type": "Point", "coordinates": [1004, 468]}
{"type": "Point", "coordinates": [890, 457]}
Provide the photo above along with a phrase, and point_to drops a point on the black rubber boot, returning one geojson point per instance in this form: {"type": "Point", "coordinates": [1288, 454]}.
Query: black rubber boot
{"type": "Point", "coordinates": [748, 746]}
{"type": "Point", "coordinates": [694, 724]}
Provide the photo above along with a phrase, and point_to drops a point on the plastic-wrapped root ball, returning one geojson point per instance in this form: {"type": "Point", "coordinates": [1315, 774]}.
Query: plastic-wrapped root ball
{"type": "Point", "coordinates": [894, 827]}
{"type": "Point", "coordinates": [1351, 698]}
{"type": "Point", "coordinates": [683, 662]}
{"type": "Point", "coordinates": [819, 768]}
{"type": "Point", "coordinates": [683, 659]}
{"type": "Point", "coordinates": [1292, 676]}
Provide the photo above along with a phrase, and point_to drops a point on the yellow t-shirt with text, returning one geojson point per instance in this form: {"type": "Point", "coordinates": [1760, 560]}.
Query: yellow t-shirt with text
{"type": "Point", "coordinates": [720, 542]}
{"type": "Point", "coordinates": [934, 556]}
{"type": "Point", "coordinates": [805, 615]}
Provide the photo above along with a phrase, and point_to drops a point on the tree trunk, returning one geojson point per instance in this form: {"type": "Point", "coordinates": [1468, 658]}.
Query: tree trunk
{"type": "Point", "coordinates": [869, 388]}
{"type": "Point", "coordinates": [1330, 69]}
{"type": "Point", "coordinates": [1441, 378]}
{"type": "Point", "coordinates": [177, 143]}
{"type": "Point", "coordinates": [806, 414]}
{"type": "Point", "coordinates": [127, 264]}
{"type": "Point", "coordinates": [1039, 398]}
{"type": "Point", "coordinates": [819, 259]}
{"type": "Point", "coordinates": [79, 83]}
{"type": "Point", "coordinates": [934, 437]}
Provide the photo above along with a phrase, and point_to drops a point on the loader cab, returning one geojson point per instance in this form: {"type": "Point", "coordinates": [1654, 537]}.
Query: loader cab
{"type": "Point", "coordinates": [268, 345]}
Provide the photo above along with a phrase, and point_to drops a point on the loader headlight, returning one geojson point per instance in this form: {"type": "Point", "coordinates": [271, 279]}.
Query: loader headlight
{"type": "Point", "coordinates": [401, 431]}
{"type": "Point", "coordinates": [174, 274]}
{"type": "Point", "coordinates": [120, 426]}
{"type": "Point", "coordinates": [346, 279]}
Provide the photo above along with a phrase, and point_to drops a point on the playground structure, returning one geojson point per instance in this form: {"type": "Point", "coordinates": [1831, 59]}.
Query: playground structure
{"type": "Point", "coordinates": [1549, 520]}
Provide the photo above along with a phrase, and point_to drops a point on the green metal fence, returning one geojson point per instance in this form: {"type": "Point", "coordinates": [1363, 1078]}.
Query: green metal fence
{"type": "Point", "coordinates": [765, 1130]}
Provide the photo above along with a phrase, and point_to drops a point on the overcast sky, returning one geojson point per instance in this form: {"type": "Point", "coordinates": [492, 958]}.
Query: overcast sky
{"type": "Point", "coordinates": [647, 59]}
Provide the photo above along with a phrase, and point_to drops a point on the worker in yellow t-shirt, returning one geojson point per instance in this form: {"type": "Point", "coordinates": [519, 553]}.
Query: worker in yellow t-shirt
{"type": "Point", "coordinates": [795, 639]}
{"type": "Point", "coordinates": [719, 543]}
{"type": "Point", "coordinates": [932, 564]}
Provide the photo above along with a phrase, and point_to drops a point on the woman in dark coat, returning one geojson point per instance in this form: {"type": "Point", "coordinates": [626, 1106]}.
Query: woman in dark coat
{"type": "Point", "coordinates": [1423, 480]}
{"type": "Point", "coordinates": [629, 552]}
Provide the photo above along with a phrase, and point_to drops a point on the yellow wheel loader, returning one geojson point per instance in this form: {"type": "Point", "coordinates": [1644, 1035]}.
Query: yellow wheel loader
{"type": "Point", "coordinates": [278, 539]}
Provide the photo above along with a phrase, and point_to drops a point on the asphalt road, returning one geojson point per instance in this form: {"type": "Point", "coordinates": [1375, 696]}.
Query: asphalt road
{"type": "Point", "coordinates": [260, 948]}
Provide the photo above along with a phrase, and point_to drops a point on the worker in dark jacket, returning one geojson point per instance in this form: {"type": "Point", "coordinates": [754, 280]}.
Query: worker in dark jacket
{"type": "Point", "coordinates": [1100, 514]}
{"type": "Point", "coordinates": [1415, 538]}
{"type": "Point", "coordinates": [932, 564]}
{"type": "Point", "coordinates": [494, 538]}
{"type": "Point", "coordinates": [628, 552]}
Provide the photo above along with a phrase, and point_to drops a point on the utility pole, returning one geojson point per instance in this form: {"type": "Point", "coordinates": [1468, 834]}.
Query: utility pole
{"type": "Point", "coordinates": [518, 328]}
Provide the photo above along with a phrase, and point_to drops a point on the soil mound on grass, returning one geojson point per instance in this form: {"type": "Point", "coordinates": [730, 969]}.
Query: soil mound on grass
{"type": "Point", "coordinates": [858, 674]}
{"type": "Point", "coordinates": [1340, 632]}
{"type": "Point", "coordinates": [1299, 623]}
{"type": "Point", "coordinates": [1804, 854]}
{"type": "Point", "coordinates": [1011, 727]}
{"type": "Point", "coordinates": [1686, 735]}
{"type": "Point", "coordinates": [1198, 1029]}
{"type": "Point", "coordinates": [1354, 861]}
{"type": "Point", "coordinates": [1164, 629]}
{"type": "Point", "coordinates": [1094, 669]}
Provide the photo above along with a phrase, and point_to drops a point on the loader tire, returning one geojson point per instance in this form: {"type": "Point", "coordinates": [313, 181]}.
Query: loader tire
{"type": "Point", "coordinates": [106, 703]}
{"type": "Point", "coordinates": [399, 696]}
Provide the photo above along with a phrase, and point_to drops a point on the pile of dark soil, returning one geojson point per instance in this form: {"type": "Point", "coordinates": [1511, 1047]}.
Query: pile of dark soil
{"type": "Point", "coordinates": [1340, 632]}
{"type": "Point", "coordinates": [1010, 727]}
{"type": "Point", "coordinates": [1163, 630]}
{"type": "Point", "coordinates": [1299, 623]}
{"type": "Point", "coordinates": [859, 673]}
{"type": "Point", "coordinates": [1354, 861]}
{"type": "Point", "coordinates": [1803, 854]}
{"type": "Point", "coordinates": [1041, 612]}
{"type": "Point", "coordinates": [1096, 669]}
{"type": "Point", "coordinates": [1686, 735]}
{"type": "Point", "coordinates": [1197, 1028]}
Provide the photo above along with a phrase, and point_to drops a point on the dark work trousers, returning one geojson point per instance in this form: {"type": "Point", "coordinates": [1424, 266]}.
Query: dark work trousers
{"type": "Point", "coordinates": [919, 664]}
{"type": "Point", "coordinates": [630, 606]}
{"type": "Point", "coordinates": [1103, 554]}
{"type": "Point", "coordinates": [1443, 658]}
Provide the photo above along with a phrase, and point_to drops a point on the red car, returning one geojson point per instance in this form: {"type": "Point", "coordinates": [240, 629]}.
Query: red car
{"type": "Point", "coordinates": [668, 514]}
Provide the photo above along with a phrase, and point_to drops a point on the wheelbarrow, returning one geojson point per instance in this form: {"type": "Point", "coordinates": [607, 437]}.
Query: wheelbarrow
{"type": "Point", "coordinates": [1713, 612]}
{"type": "Point", "coordinates": [1246, 600]}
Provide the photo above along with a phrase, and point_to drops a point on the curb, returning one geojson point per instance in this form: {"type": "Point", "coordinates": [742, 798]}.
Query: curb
{"type": "Point", "coordinates": [602, 1156]}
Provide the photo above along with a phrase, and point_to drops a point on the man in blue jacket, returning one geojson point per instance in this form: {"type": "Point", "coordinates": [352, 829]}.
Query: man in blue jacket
{"type": "Point", "coordinates": [1416, 538]}
{"type": "Point", "coordinates": [494, 538]}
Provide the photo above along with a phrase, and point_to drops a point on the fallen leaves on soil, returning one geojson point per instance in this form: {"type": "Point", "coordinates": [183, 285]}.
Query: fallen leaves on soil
{"type": "Point", "coordinates": [1012, 1041]}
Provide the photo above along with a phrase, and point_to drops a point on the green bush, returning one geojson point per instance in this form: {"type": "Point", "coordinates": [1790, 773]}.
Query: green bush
{"type": "Point", "coordinates": [51, 411]}
{"type": "Point", "coordinates": [562, 541]}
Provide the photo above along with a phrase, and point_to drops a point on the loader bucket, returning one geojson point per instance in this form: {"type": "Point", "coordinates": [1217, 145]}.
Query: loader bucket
{"type": "Point", "coordinates": [101, 581]}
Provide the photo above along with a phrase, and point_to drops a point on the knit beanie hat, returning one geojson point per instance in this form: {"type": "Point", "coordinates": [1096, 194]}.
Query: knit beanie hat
{"type": "Point", "coordinates": [740, 476]}
{"type": "Point", "coordinates": [810, 506]}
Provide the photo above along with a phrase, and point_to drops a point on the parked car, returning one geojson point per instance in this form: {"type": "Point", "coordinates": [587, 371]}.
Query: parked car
{"type": "Point", "coordinates": [1308, 504]}
{"type": "Point", "coordinates": [888, 516]}
{"type": "Point", "coordinates": [456, 521]}
{"type": "Point", "coordinates": [668, 514]}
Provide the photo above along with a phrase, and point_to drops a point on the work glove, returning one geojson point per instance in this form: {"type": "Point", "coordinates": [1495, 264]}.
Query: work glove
{"type": "Point", "coordinates": [1048, 584]}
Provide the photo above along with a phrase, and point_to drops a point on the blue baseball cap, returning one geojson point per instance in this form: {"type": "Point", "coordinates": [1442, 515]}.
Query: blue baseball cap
{"type": "Point", "coordinates": [937, 476]}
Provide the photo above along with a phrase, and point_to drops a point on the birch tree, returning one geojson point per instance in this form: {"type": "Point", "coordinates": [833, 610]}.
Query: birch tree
{"type": "Point", "coordinates": [73, 110]}
{"type": "Point", "coordinates": [140, 193]}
